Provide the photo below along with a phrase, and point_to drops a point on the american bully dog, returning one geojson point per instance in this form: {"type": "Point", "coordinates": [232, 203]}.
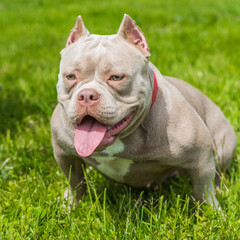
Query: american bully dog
{"type": "Point", "coordinates": [117, 113]}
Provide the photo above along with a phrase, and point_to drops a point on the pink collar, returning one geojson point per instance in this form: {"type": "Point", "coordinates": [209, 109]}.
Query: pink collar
{"type": "Point", "coordinates": [154, 92]}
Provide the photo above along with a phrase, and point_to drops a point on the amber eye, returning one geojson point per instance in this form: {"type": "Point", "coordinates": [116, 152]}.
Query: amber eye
{"type": "Point", "coordinates": [116, 77]}
{"type": "Point", "coordinates": [71, 77]}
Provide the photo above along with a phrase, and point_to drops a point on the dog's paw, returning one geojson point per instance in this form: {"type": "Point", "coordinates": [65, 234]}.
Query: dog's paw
{"type": "Point", "coordinates": [68, 199]}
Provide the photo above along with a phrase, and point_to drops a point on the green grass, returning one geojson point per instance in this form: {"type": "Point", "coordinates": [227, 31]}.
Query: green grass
{"type": "Point", "coordinates": [198, 41]}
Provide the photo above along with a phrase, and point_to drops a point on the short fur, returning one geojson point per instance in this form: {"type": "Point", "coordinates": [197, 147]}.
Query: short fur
{"type": "Point", "coordinates": [182, 130]}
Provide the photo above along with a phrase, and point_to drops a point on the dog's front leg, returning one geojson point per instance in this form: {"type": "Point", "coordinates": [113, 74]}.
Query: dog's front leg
{"type": "Point", "coordinates": [73, 168]}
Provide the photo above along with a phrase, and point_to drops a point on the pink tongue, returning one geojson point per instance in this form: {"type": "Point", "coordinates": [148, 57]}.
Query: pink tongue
{"type": "Point", "coordinates": [88, 136]}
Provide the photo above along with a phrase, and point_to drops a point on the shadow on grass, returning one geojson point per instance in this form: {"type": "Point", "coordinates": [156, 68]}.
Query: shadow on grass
{"type": "Point", "coordinates": [125, 202]}
{"type": "Point", "coordinates": [173, 198]}
{"type": "Point", "coordinates": [14, 106]}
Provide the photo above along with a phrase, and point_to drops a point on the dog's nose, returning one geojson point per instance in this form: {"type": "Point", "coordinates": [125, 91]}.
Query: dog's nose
{"type": "Point", "coordinates": [88, 97]}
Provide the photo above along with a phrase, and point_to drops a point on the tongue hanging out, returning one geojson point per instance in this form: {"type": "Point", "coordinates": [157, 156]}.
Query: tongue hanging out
{"type": "Point", "coordinates": [88, 136]}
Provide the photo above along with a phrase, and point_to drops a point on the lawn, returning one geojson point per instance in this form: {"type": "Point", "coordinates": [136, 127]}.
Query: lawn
{"type": "Point", "coordinates": [198, 41]}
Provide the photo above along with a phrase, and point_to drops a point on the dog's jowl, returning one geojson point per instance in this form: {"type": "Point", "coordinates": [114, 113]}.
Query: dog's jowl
{"type": "Point", "coordinates": [117, 113]}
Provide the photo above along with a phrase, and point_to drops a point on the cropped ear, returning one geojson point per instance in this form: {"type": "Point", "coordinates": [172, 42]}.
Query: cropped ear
{"type": "Point", "coordinates": [78, 31]}
{"type": "Point", "coordinates": [133, 34]}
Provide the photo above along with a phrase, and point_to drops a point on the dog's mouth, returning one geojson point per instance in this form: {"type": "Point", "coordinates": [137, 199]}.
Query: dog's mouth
{"type": "Point", "coordinates": [91, 134]}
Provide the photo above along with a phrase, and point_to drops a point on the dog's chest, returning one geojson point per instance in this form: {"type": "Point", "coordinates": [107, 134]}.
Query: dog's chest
{"type": "Point", "coordinates": [110, 165]}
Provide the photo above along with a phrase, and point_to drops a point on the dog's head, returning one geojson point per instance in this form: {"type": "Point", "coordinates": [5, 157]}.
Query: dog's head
{"type": "Point", "coordinates": [104, 84]}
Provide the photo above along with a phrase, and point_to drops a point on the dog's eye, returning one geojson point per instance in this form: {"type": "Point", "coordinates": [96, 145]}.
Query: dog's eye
{"type": "Point", "coordinates": [116, 77]}
{"type": "Point", "coordinates": [71, 77]}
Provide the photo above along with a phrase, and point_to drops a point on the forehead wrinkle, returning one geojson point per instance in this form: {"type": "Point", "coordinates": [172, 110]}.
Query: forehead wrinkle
{"type": "Point", "coordinates": [99, 51]}
{"type": "Point", "coordinates": [105, 67]}
{"type": "Point", "coordinates": [81, 64]}
{"type": "Point", "coordinates": [98, 54]}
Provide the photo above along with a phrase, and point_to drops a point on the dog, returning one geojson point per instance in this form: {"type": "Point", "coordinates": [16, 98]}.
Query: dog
{"type": "Point", "coordinates": [117, 113]}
